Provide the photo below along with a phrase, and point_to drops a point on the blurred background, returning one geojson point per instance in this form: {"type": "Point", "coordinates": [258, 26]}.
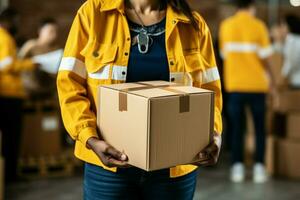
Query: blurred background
{"type": "Point", "coordinates": [45, 165]}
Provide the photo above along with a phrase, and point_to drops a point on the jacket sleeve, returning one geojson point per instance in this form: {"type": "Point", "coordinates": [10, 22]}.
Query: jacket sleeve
{"type": "Point", "coordinates": [8, 58]}
{"type": "Point", "coordinates": [79, 119]}
{"type": "Point", "coordinates": [209, 77]}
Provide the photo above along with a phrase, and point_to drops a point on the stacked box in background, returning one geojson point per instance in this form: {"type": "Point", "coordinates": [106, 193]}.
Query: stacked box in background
{"type": "Point", "coordinates": [41, 133]}
{"type": "Point", "coordinates": [286, 128]}
{"type": "Point", "coordinates": [283, 144]}
{"type": "Point", "coordinates": [287, 160]}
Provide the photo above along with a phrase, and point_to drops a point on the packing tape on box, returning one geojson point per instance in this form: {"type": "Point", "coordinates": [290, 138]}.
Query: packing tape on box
{"type": "Point", "coordinates": [184, 98]}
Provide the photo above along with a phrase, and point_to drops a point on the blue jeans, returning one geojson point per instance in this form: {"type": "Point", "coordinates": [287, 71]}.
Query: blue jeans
{"type": "Point", "coordinates": [133, 184]}
{"type": "Point", "coordinates": [236, 112]}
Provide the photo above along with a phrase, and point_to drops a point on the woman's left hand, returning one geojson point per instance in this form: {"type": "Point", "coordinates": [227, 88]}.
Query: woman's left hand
{"type": "Point", "coordinates": [210, 155]}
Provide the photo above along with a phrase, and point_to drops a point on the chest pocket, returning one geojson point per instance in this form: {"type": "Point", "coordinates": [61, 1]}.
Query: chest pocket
{"type": "Point", "coordinates": [98, 55]}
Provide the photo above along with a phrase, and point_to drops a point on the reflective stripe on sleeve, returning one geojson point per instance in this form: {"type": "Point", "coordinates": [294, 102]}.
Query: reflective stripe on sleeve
{"type": "Point", "coordinates": [5, 62]}
{"type": "Point", "coordinates": [74, 65]}
{"type": "Point", "coordinates": [210, 75]}
{"type": "Point", "coordinates": [265, 52]}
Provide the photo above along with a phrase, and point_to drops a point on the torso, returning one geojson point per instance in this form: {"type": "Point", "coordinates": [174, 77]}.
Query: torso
{"type": "Point", "coordinates": [152, 65]}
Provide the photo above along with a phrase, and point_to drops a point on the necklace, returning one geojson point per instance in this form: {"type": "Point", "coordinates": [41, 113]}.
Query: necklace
{"type": "Point", "coordinates": [143, 37]}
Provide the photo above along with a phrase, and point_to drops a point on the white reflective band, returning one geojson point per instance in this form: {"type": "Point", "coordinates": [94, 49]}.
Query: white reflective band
{"type": "Point", "coordinates": [240, 47]}
{"type": "Point", "coordinates": [102, 74]}
{"type": "Point", "coordinates": [265, 52]}
{"type": "Point", "coordinates": [5, 62]}
{"type": "Point", "coordinates": [118, 73]}
{"type": "Point", "coordinates": [248, 48]}
{"type": "Point", "coordinates": [210, 75]}
{"type": "Point", "coordinates": [74, 65]}
{"type": "Point", "coordinates": [177, 77]}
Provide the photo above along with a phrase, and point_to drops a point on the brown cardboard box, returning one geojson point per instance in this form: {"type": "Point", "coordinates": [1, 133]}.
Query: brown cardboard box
{"type": "Point", "coordinates": [288, 101]}
{"type": "Point", "coordinates": [157, 126]}
{"type": "Point", "coordinates": [41, 134]}
{"type": "Point", "coordinates": [288, 161]}
{"type": "Point", "coordinates": [293, 126]}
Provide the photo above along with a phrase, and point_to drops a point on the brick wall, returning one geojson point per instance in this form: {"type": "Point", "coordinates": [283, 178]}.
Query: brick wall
{"type": "Point", "coordinates": [33, 10]}
{"type": "Point", "coordinates": [64, 11]}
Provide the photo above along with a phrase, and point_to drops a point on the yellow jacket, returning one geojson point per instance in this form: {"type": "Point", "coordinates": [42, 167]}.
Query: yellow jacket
{"type": "Point", "coordinates": [97, 53]}
{"type": "Point", "coordinates": [10, 67]}
{"type": "Point", "coordinates": [244, 43]}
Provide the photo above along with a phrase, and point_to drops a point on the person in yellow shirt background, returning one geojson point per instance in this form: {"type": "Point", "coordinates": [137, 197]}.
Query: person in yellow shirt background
{"type": "Point", "coordinates": [246, 50]}
{"type": "Point", "coordinates": [11, 91]}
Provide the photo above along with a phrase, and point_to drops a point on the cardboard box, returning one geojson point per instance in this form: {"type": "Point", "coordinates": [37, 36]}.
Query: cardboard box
{"type": "Point", "coordinates": [288, 101]}
{"type": "Point", "coordinates": [293, 126]}
{"type": "Point", "coordinates": [157, 124]}
{"type": "Point", "coordinates": [41, 132]}
{"type": "Point", "coordinates": [287, 159]}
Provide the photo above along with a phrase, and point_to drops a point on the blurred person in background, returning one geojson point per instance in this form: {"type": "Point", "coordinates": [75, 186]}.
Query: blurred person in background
{"type": "Point", "coordinates": [40, 83]}
{"type": "Point", "coordinates": [286, 37]}
{"type": "Point", "coordinates": [246, 50]}
{"type": "Point", "coordinates": [45, 42]}
{"type": "Point", "coordinates": [11, 91]}
{"type": "Point", "coordinates": [104, 48]}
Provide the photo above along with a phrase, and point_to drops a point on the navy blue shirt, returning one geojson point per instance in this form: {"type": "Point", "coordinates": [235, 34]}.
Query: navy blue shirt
{"type": "Point", "coordinates": [154, 64]}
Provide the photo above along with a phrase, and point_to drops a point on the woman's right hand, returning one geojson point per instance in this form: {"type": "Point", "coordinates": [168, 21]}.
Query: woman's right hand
{"type": "Point", "coordinates": [109, 156]}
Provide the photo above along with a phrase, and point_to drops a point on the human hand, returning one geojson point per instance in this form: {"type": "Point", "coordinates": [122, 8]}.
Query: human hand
{"type": "Point", "coordinates": [109, 156]}
{"type": "Point", "coordinates": [210, 155]}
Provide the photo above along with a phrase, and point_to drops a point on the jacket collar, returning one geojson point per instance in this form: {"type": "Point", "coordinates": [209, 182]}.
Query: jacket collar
{"type": "Point", "coordinates": [108, 5]}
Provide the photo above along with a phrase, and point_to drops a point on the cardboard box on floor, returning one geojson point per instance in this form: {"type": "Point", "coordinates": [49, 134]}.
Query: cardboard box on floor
{"type": "Point", "coordinates": [288, 101]}
{"type": "Point", "coordinates": [157, 124]}
{"type": "Point", "coordinates": [293, 126]}
{"type": "Point", "coordinates": [41, 133]}
{"type": "Point", "coordinates": [287, 160]}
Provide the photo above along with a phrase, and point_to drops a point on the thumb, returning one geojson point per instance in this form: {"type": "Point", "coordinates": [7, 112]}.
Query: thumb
{"type": "Point", "coordinates": [116, 154]}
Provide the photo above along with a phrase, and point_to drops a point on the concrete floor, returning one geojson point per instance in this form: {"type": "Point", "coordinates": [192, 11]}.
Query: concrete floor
{"type": "Point", "coordinates": [213, 184]}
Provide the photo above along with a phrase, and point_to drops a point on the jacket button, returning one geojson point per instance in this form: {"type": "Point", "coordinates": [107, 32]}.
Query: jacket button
{"type": "Point", "coordinates": [123, 73]}
{"type": "Point", "coordinates": [172, 79]}
{"type": "Point", "coordinates": [126, 54]}
{"type": "Point", "coordinates": [174, 21]}
{"type": "Point", "coordinates": [95, 54]}
{"type": "Point", "coordinates": [128, 39]}
{"type": "Point", "coordinates": [171, 63]}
